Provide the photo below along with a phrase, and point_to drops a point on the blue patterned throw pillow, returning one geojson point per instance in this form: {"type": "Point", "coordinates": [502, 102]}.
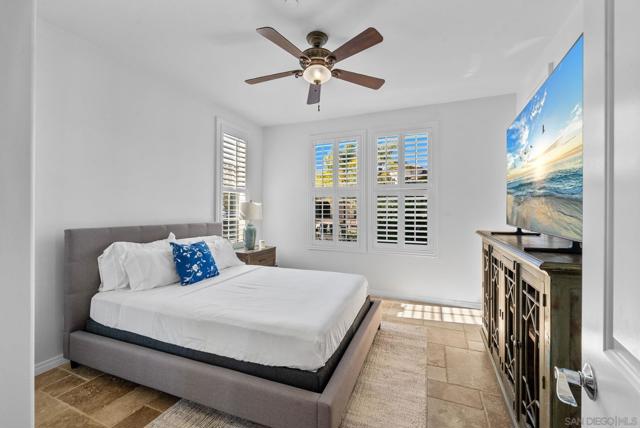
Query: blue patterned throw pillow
{"type": "Point", "coordinates": [194, 262]}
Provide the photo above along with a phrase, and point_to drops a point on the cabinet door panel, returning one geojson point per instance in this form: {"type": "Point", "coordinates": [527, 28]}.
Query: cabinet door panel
{"type": "Point", "coordinates": [486, 290]}
{"type": "Point", "coordinates": [531, 346]}
{"type": "Point", "coordinates": [510, 321]}
{"type": "Point", "coordinates": [495, 315]}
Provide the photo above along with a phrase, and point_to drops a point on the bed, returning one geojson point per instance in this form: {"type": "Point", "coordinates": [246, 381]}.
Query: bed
{"type": "Point", "coordinates": [280, 347]}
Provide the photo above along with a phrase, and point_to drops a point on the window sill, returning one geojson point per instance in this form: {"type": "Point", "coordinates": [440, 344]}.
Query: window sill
{"type": "Point", "coordinates": [377, 251]}
{"type": "Point", "coordinates": [413, 253]}
{"type": "Point", "coordinates": [337, 249]}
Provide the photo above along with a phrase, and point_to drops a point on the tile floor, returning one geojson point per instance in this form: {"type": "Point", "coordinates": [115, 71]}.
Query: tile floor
{"type": "Point", "coordinates": [461, 391]}
{"type": "Point", "coordinates": [83, 397]}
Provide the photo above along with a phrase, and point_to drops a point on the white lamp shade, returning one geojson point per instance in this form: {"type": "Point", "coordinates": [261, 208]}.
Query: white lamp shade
{"type": "Point", "coordinates": [316, 73]}
{"type": "Point", "coordinates": [251, 210]}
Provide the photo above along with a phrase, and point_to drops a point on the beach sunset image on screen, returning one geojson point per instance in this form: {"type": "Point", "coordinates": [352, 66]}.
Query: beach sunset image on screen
{"type": "Point", "coordinates": [544, 154]}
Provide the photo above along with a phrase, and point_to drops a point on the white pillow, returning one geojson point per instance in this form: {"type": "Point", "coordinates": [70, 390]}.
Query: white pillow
{"type": "Point", "coordinates": [210, 238]}
{"type": "Point", "coordinates": [223, 254]}
{"type": "Point", "coordinates": [149, 267]}
{"type": "Point", "coordinates": [112, 273]}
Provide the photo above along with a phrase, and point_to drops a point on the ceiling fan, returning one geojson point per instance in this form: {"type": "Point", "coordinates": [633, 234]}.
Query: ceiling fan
{"type": "Point", "coordinates": [317, 62]}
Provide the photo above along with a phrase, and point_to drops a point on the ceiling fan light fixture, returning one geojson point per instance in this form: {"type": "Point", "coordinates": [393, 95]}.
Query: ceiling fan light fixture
{"type": "Point", "coordinates": [317, 74]}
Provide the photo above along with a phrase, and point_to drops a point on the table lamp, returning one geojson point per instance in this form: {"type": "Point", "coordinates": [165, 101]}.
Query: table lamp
{"type": "Point", "coordinates": [250, 211]}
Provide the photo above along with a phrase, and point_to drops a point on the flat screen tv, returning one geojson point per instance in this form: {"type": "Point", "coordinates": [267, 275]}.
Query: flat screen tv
{"type": "Point", "coordinates": [544, 154]}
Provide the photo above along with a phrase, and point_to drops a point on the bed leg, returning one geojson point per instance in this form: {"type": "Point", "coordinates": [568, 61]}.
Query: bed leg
{"type": "Point", "coordinates": [73, 364]}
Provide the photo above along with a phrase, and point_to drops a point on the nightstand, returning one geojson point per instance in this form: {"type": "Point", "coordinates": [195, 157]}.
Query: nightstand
{"type": "Point", "coordinates": [265, 256]}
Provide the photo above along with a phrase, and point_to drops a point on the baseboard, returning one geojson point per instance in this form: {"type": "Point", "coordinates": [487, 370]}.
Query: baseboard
{"type": "Point", "coordinates": [49, 364]}
{"type": "Point", "coordinates": [426, 299]}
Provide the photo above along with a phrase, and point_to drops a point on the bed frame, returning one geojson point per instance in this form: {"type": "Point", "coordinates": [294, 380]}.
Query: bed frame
{"type": "Point", "coordinates": [239, 394]}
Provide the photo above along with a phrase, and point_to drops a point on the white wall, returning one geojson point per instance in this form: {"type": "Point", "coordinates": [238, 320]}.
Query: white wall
{"type": "Point", "coordinates": [117, 145]}
{"type": "Point", "coordinates": [552, 52]}
{"type": "Point", "coordinates": [471, 162]}
{"type": "Point", "coordinates": [16, 212]}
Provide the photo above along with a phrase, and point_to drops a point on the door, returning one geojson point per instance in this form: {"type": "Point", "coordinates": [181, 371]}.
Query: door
{"type": "Point", "coordinates": [611, 260]}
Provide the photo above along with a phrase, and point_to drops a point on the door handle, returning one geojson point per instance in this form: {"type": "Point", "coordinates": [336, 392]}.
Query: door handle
{"type": "Point", "coordinates": [583, 378]}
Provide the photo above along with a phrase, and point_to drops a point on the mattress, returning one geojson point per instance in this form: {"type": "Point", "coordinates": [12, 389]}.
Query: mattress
{"type": "Point", "coordinates": [314, 381]}
{"type": "Point", "coordinates": [264, 315]}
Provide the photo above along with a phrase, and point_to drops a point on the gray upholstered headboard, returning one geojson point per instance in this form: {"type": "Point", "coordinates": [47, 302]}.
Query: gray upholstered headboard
{"type": "Point", "coordinates": [81, 250]}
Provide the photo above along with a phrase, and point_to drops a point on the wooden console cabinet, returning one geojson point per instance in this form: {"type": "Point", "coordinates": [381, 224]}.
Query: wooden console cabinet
{"type": "Point", "coordinates": [532, 322]}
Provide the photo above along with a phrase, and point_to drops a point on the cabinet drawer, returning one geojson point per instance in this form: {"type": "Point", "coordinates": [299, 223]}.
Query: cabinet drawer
{"type": "Point", "coordinates": [266, 257]}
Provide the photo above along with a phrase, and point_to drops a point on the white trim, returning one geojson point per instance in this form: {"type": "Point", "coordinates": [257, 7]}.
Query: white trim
{"type": "Point", "coordinates": [425, 299]}
{"type": "Point", "coordinates": [626, 361]}
{"type": "Point", "coordinates": [609, 92]}
{"type": "Point", "coordinates": [51, 363]}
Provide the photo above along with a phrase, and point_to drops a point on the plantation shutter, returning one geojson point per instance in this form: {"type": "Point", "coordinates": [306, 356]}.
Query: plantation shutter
{"type": "Point", "coordinates": [234, 186]}
{"type": "Point", "coordinates": [416, 158]}
{"type": "Point", "coordinates": [234, 162]}
{"type": "Point", "coordinates": [336, 192]}
{"type": "Point", "coordinates": [387, 219]}
{"type": "Point", "coordinates": [232, 225]}
{"type": "Point", "coordinates": [401, 192]}
{"type": "Point", "coordinates": [348, 163]}
{"type": "Point", "coordinates": [348, 219]}
{"type": "Point", "coordinates": [387, 160]}
{"type": "Point", "coordinates": [416, 220]}
{"type": "Point", "coordinates": [323, 155]}
{"type": "Point", "coordinates": [323, 218]}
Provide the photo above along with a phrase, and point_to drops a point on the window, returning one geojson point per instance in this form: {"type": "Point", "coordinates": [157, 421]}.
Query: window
{"type": "Point", "coordinates": [401, 192]}
{"type": "Point", "coordinates": [233, 167]}
{"type": "Point", "coordinates": [395, 213]}
{"type": "Point", "coordinates": [336, 193]}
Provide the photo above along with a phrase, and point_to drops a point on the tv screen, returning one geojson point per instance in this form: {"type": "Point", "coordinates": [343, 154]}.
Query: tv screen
{"type": "Point", "coordinates": [544, 154]}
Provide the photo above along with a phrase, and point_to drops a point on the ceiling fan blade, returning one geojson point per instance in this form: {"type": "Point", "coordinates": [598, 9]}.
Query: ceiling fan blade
{"type": "Point", "coordinates": [277, 38]}
{"type": "Point", "coordinates": [359, 79]}
{"type": "Point", "coordinates": [314, 94]}
{"type": "Point", "coordinates": [272, 77]}
{"type": "Point", "coordinates": [362, 41]}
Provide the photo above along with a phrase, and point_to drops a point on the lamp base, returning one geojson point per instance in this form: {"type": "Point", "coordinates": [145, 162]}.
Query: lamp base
{"type": "Point", "coordinates": [250, 236]}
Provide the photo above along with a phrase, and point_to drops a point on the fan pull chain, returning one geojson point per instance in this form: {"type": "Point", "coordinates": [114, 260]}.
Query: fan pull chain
{"type": "Point", "coordinates": [318, 107]}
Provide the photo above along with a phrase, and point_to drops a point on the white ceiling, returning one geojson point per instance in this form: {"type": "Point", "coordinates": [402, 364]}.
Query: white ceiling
{"type": "Point", "coordinates": [433, 50]}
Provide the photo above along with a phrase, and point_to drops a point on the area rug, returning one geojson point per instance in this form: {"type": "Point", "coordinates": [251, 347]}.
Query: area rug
{"type": "Point", "coordinates": [391, 390]}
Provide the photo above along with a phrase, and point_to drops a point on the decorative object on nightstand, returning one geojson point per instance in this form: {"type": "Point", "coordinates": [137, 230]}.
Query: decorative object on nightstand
{"type": "Point", "coordinates": [250, 211]}
{"type": "Point", "coordinates": [265, 256]}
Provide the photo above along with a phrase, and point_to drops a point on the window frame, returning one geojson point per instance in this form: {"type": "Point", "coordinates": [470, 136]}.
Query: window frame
{"type": "Point", "coordinates": [336, 192]}
{"type": "Point", "coordinates": [225, 127]}
{"type": "Point", "coordinates": [402, 189]}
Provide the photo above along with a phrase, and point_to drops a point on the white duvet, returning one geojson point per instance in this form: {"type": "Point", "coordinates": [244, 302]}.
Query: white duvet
{"type": "Point", "coordinates": [265, 315]}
